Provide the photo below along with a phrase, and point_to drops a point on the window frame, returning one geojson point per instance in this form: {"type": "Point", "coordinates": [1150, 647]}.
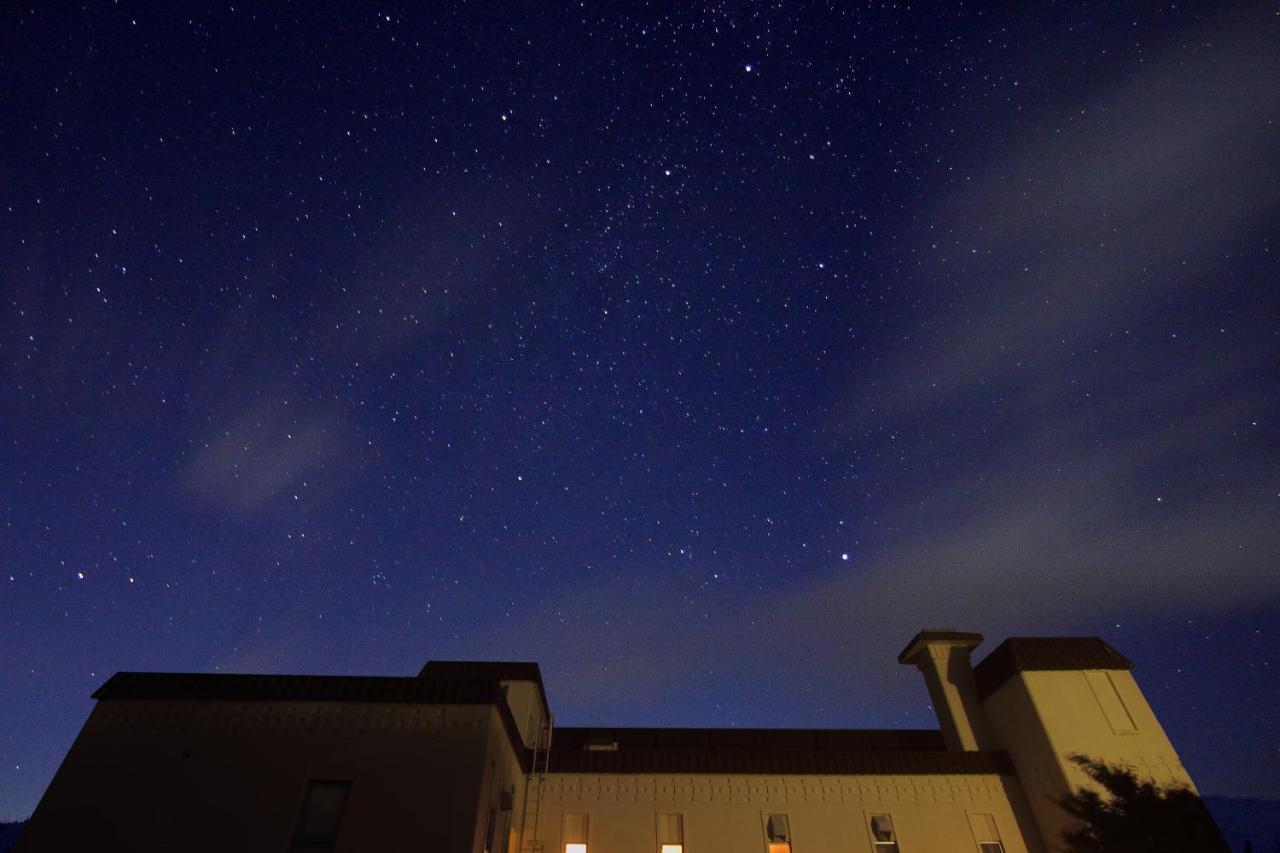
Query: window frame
{"type": "Point", "coordinates": [664, 843]}
{"type": "Point", "coordinates": [772, 846]}
{"type": "Point", "coordinates": [566, 840]}
{"type": "Point", "coordinates": [303, 842]}
{"type": "Point", "coordinates": [894, 845]}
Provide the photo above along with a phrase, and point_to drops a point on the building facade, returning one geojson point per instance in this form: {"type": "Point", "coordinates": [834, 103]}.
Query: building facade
{"type": "Point", "coordinates": [464, 757]}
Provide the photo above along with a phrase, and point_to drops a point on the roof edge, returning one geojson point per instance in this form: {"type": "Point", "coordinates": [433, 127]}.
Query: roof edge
{"type": "Point", "coordinates": [1045, 654]}
{"type": "Point", "coordinates": [938, 637]}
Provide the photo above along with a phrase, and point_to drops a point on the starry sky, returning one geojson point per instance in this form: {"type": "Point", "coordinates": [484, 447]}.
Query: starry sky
{"type": "Point", "coordinates": [701, 354]}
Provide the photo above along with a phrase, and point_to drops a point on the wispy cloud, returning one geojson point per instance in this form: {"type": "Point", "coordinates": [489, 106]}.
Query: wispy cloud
{"type": "Point", "coordinates": [1094, 470]}
{"type": "Point", "coordinates": [1097, 466]}
{"type": "Point", "coordinates": [263, 453]}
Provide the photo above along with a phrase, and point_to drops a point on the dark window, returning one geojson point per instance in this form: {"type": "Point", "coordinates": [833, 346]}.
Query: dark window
{"type": "Point", "coordinates": [777, 833]}
{"type": "Point", "coordinates": [321, 816]}
{"type": "Point", "coordinates": [884, 839]}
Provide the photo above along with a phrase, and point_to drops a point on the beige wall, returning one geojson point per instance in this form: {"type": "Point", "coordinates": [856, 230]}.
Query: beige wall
{"type": "Point", "coordinates": [526, 708]}
{"type": "Point", "coordinates": [1042, 718]}
{"type": "Point", "coordinates": [220, 776]}
{"type": "Point", "coordinates": [503, 772]}
{"type": "Point", "coordinates": [827, 814]}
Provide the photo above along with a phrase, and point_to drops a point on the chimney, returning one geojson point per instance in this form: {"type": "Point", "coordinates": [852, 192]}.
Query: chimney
{"type": "Point", "coordinates": [943, 656]}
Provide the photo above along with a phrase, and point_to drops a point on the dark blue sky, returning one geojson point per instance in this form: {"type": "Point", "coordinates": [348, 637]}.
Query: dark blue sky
{"type": "Point", "coordinates": [702, 356]}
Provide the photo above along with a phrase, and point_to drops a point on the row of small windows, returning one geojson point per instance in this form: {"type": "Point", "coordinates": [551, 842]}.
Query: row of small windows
{"type": "Point", "coordinates": [326, 800]}
{"type": "Point", "coordinates": [777, 833]}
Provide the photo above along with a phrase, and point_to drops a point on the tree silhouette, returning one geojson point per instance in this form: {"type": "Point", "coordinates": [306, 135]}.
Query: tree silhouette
{"type": "Point", "coordinates": [1137, 816]}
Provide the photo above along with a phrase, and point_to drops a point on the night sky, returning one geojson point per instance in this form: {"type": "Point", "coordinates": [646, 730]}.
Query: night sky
{"type": "Point", "coordinates": [702, 356]}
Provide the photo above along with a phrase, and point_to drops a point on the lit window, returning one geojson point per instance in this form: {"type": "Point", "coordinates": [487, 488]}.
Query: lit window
{"type": "Point", "coordinates": [670, 833]}
{"type": "Point", "coordinates": [574, 832]}
{"type": "Point", "coordinates": [778, 833]}
{"type": "Point", "coordinates": [321, 816]}
{"type": "Point", "coordinates": [883, 837]}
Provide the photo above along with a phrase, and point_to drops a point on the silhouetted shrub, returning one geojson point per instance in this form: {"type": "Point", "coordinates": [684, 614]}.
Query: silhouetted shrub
{"type": "Point", "coordinates": [1137, 816]}
{"type": "Point", "coordinates": [9, 833]}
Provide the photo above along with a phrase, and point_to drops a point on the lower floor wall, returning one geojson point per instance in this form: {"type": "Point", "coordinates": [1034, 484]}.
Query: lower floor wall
{"type": "Point", "coordinates": [782, 814]}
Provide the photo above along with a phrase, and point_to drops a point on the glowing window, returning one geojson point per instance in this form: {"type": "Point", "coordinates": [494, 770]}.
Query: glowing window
{"type": "Point", "coordinates": [574, 832]}
{"type": "Point", "coordinates": [777, 833]}
{"type": "Point", "coordinates": [883, 837]}
{"type": "Point", "coordinates": [670, 833]}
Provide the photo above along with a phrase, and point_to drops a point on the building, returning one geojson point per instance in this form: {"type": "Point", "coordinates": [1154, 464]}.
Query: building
{"type": "Point", "coordinates": [464, 758]}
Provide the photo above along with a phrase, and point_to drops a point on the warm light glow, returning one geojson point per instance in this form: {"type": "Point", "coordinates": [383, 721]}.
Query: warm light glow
{"type": "Point", "coordinates": [779, 847]}
{"type": "Point", "coordinates": [575, 848]}
{"type": "Point", "coordinates": [672, 848]}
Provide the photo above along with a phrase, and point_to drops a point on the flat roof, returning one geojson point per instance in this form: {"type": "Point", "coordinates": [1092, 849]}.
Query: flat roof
{"type": "Point", "coordinates": [228, 687]}
{"type": "Point", "coordinates": [488, 670]}
{"type": "Point", "coordinates": [835, 752]}
{"type": "Point", "coordinates": [1044, 654]}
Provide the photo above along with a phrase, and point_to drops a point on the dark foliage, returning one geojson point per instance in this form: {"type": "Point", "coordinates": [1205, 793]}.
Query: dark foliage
{"type": "Point", "coordinates": [1137, 816]}
{"type": "Point", "coordinates": [9, 833]}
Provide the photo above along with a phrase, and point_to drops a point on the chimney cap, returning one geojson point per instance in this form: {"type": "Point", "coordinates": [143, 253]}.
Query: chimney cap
{"type": "Point", "coordinates": [937, 637]}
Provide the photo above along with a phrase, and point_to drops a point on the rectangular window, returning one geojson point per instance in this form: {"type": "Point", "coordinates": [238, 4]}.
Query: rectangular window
{"type": "Point", "coordinates": [884, 839]}
{"type": "Point", "coordinates": [321, 816]}
{"type": "Point", "coordinates": [1104, 690]}
{"type": "Point", "coordinates": [670, 833]}
{"type": "Point", "coordinates": [574, 832]}
{"type": "Point", "coordinates": [777, 833]}
{"type": "Point", "coordinates": [985, 833]}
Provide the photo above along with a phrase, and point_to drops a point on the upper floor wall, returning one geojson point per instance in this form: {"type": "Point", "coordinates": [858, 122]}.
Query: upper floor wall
{"type": "Point", "coordinates": [729, 813]}
{"type": "Point", "coordinates": [265, 776]}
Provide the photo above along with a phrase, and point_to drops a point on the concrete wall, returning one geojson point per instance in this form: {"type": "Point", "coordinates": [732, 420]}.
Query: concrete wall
{"type": "Point", "coordinates": [502, 792]}
{"type": "Point", "coordinates": [827, 814]}
{"type": "Point", "coordinates": [218, 776]}
{"type": "Point", "coordinates": [526, 708]}
{"type": "Point", "coordinates": [1042, 718]}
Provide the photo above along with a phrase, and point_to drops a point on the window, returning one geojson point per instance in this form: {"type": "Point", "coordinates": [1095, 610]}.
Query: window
{"type": "Point", "coordinates": [670, 833]}
{"type": "Point", "coordinates": [574, 832]}
{"type": "Point", "coordinates": [777, 832]}
{"type": "Point", "coordinates": [1108, 698]}
{"type": "Point", "coordinates": [321, 816]}
{"type": "Point", "coordinates": [985, 833]}
{"type": "Point", "coordinates": [883, 837]}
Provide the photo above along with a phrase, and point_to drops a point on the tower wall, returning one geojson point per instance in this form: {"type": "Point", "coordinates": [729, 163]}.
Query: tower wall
{"type": "Point", "coordinates": [1042, 717]}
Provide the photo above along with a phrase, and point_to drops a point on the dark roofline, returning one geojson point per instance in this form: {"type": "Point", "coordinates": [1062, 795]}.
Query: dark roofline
{"type": "Point", "coordinates": [228, 687]}
{"type": "Point", "coordinates": [301, 688]}
{"type": "Point", "coordinates": [1044, 654]}
{"type": "Point", "coordinates": [934, 636]}
{"type": "Point", "coordinates": [831, 763]}
{"type": "Point", "coordinates": [755, 740]}
{"type": "Point", "coordinates": [832, 752]}
{"type": "Point", "coordinates": [489, 670]}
